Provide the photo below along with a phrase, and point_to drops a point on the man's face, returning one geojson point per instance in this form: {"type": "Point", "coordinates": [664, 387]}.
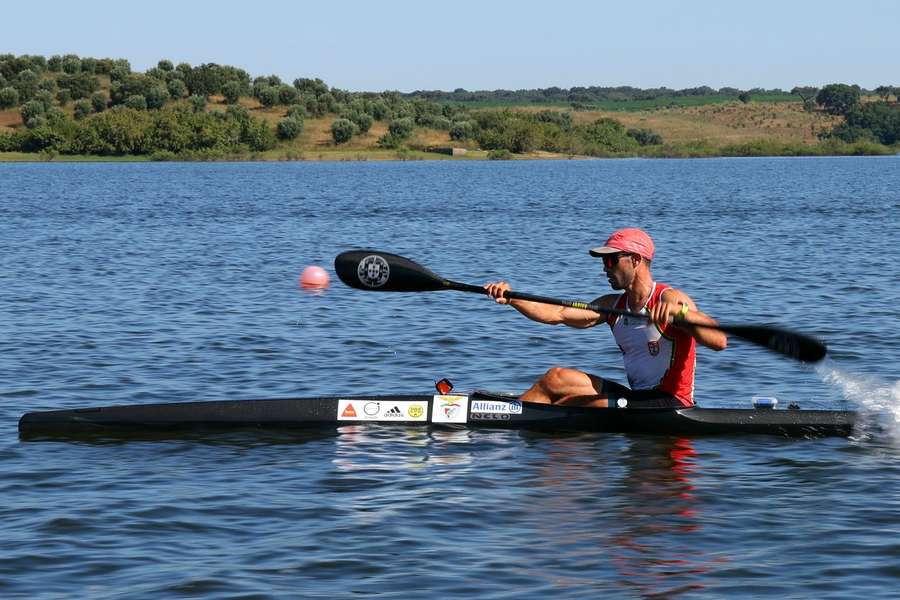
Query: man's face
{"type": "Point", "coordinates": [619, 269]}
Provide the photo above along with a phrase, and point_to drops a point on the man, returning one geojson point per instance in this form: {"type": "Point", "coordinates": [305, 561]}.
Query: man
{"type": "Point", "coordinates": [659, 352]}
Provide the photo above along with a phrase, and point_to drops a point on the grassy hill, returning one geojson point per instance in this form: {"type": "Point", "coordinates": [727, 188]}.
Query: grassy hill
{"type": "Point", "coordinates": [709, 125]}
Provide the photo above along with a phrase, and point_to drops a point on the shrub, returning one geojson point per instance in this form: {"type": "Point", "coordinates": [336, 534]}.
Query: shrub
{"type": "Point", "coordinates": [32, 109]}
{"type": "Point", "coordinates": [71, 64]}
{"type": "Point", "coordinates": [258, 135]}
{"type": "Point", "coordinates": [9, 97]}
{"type": "Point", "coordinates": [238, 113]}
{"type": "Point", "coordinates": [176, 88]}
{"type": "Point", "coordinates": [362, 121]}
{"type": "Point", "coordinates": [27, 84]}
{"type": "Point", "coordinates": [63, 96]}
{"type": "Point", "coordinates": [89, 65]}
{"type": "Point", "coordinates": [296, 111]}
{"type": "Point", "coordinates": [341, 130]}
{"type": "Point", "coordinates": [287, 94]}
{"type": "Point", "coordinates": [136, 102]}
{"type": "Point", "coordinates": [198, 103]}
{"type": "Point", "coordinates": [462, 130]}
{"type": "Point", "coordinates": [379, 110]}
{"type": "Point", "coordinates": [99, 101]}
{"type": "Point", "coordinates": [165, 65]}
{"type": "Point", "coordinates": [645, 137]}
{"type": "Point", "coordinates": [82, 109]}
{"type": "Point", "coordinates": [231, 91]}
{"type": "Point", "coordinates": [157, 96]}
{"type": "Point", "coordinates": [744, 97]}
{"type": "Point", "coordinates": [45, 98]}
{"type": "Point", "coordinates": [268, 96]}
{"type": "Point", "coordinates": [401, 128]}
{"type": "Point", "coordinates": [289, 128]}
{"type": "Point", "coordinates": [54, 63]}
{"type": "Point", "coordinates": [499, 154]}
{"type": "Point", "coordinates": [81, 85]}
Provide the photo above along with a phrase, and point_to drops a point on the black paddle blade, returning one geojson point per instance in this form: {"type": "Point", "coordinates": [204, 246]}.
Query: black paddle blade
{"type": "Point", "coordinates": [376, 271]}
{"type": "Point", "coordinates": [800, 346]}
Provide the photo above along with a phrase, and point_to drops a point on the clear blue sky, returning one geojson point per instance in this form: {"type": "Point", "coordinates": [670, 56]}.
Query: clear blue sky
{"type": "Point", "coordinates": [408, 45]}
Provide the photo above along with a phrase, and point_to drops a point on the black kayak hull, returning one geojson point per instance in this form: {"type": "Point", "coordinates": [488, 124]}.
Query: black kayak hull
{"type": "Point", "coordinates": [477, 410]}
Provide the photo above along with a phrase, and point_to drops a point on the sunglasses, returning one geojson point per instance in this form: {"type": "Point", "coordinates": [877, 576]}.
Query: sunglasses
{"type": "Point", "coordinates": [611, 260]}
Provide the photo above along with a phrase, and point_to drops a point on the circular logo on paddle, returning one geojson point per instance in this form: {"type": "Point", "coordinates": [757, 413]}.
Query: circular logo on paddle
{"type": "Point", "coordinates": [373, 271]}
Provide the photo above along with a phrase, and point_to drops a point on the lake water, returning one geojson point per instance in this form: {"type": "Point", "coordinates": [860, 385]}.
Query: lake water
{"type": "Point", "coordinates": [138, 283]}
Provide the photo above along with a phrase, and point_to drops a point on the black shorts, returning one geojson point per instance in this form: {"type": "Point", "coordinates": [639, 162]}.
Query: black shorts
{"type": "Point", "coordinates": [623, 397]}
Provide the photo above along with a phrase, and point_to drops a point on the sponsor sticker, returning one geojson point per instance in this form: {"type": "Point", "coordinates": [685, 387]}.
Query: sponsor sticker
{"type": "Point", "coordinates": [449, 409]}
{"type": "Point", "coordinates": [505, 407]}
{"type": "Point", "coordinates": [371, 410]}
{"type": "Point", "coordinates": [487, 416]}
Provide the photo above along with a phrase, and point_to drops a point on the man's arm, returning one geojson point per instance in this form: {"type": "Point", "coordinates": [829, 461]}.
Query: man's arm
{"type": "Point", "coordinates": [670, 311]}
{"type": "Point", "coordinates": [549, 313]}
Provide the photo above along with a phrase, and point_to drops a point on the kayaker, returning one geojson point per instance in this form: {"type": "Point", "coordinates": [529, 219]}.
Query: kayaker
{"type": "Point", "coordinates": [659, 354]}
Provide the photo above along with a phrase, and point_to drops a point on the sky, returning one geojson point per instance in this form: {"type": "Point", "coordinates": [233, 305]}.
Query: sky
{"type": "Point", "coordinates": [484, 45]}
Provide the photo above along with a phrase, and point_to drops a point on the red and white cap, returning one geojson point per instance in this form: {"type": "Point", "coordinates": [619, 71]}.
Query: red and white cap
{"type": "Point", "coordinates": [630, 239]}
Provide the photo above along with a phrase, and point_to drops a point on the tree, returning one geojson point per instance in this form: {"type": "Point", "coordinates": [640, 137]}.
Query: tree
{"type": "Point", "coordinates": [461, 130]}
{"type": "Point", "coordinates": [44, 97]}
{"type": "Point", "coordinates": [9, 97]}
{"type": "Point", "coordinates": [165, 65]}
{"type": "Point", "coordinates": [806, 92]}
{"type": "Point", "coordinates": [341, 130]}
{"type": "Point", "coordinates": [157, 96]}
{"type": "Point", "coordinates": [81, 85]}
{"type": "Point", "coordinates": [645, 137]}
{"type": "Point", "coordinates": [884, 91]}
{"type": "Point", "coordinates": [296, 111]}
{"type": "Point", "coordinates": [197, 102]}
{"type": "Point", "coordinates": [71, 64]}
{"type": "Point", "coordinates": [136, 102]}
{"type": "Point", "coordinates": [268, 96]}
{"type": "Point", "coordinates": [176, 88]}
{"type": "Point", "coordinates": [289, 128]}
{"type": "Point", "coordinates": [362, 121]}
{"type": "Point", "coordinates": [30, 110]}
{"type": "Point", "coordinates": [99, 101]}
{"type": "Point", "coordinates": [744, 97]}
{"type": "Point", "coordinates": [82, 109]}
{"type": "Point", "coordinates": [287, 94]}
{"type": "Point", "coordinates": [838, 98]}
{"type": "Point", "coordinates": [232, 92]}
{"type": "Point", "coordinates": [401, 128]}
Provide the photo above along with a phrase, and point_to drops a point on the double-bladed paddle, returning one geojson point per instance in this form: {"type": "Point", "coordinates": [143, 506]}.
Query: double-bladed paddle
{"type": "Point", "coordinates": [376, 271]}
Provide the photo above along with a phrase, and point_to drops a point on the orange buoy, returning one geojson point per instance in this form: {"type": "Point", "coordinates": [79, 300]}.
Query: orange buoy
{"type": "Point", "coordinates": [314, 277]}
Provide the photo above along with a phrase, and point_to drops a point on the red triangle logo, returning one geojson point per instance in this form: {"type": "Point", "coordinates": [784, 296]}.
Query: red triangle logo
{"type": "Point", "coordinates": [349, 411]}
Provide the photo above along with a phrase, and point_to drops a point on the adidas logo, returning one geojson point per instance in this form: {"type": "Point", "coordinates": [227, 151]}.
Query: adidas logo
{"type": "Point", "coordinates": [394, 412]}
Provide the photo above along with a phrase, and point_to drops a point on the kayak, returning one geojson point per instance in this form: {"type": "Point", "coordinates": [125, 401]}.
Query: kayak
{"type": "Point", "coordinates": [476, 410]}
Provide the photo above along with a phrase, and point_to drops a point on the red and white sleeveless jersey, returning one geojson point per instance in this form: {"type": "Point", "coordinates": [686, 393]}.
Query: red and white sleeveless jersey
{"type": "Point", "coordinates": [655, 358]}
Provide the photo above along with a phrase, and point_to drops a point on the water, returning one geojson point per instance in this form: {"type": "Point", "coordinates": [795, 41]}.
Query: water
{"type": "Point", "coordinates": [136, 283]}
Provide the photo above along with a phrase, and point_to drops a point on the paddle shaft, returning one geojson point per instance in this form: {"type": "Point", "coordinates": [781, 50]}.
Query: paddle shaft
{"type": "Point", "coordinates": [511, 295]}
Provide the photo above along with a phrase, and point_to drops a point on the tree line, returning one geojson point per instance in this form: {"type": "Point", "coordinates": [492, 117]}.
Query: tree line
{"type": "Point", "coordinates": [166, 111]}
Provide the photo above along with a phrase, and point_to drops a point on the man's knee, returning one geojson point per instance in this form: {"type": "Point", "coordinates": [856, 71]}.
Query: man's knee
{"type": "Point", "coordinates": [557, 378]}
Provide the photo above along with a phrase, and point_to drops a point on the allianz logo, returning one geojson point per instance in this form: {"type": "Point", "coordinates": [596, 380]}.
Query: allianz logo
{"type": "Point", "coordinates": [513, 407]}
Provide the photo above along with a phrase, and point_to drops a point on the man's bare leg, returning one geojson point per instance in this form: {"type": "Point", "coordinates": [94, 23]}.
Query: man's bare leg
{"type": "Point", "coordinates": [571, 387]}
